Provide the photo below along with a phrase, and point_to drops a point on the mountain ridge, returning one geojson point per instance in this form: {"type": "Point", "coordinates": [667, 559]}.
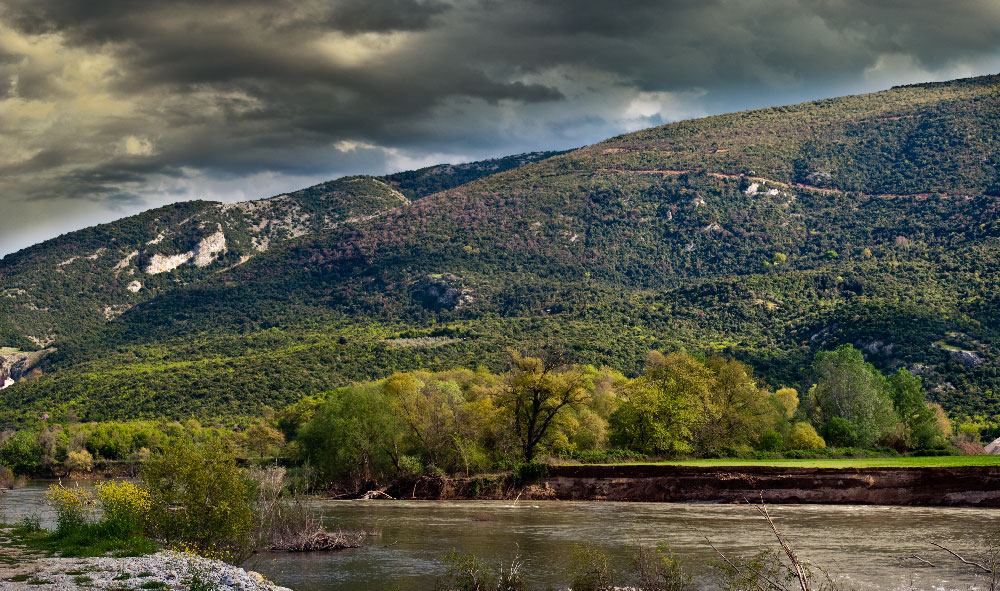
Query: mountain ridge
{"type": "Point", "coordinates": [765, 234]}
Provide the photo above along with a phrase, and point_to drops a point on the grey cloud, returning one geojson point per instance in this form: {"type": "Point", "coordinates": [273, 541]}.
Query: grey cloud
{"type": "Point", "coordinates": [232, 88]}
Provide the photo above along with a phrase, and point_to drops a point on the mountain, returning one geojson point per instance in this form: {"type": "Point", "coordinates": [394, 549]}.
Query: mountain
{"type": "Point", "coordinates": [82, 280]}
{"type": "Point", "coordinates": [767, 235]}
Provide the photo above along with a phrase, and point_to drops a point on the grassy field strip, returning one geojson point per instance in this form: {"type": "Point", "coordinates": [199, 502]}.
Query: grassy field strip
{"type": "Point", "coordinates": [901, 462]}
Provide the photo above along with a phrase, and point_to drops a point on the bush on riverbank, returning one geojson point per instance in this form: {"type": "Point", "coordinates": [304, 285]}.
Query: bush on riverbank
{"type": "Point", "coordinates": [190, 498]}
{"type": "Point", "coordinates": [79, 532]}
{"type": "Point", "coordinates": [201, 501]}
{"type": "Point", "coordinates": [9, 480]}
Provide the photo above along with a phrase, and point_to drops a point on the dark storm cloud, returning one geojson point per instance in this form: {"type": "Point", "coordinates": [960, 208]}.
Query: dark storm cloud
{"type": "Point", "coordinates": [114, 101]}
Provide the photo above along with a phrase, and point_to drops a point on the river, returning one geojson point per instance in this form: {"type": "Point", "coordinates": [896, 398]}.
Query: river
{"type": "Point", "coordinates": [860, 545]}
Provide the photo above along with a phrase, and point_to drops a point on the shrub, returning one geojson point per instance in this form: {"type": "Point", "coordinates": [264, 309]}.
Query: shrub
{"type": "Point", "coordinates": [8, 480]}
{"type": "Point", "coordinates": [200, 500]}
{"type": "Point", "coordinates": [763, 570]}
{"type": "Point", "coordinates": [804, 436]}
{"type": "Point", "coordinates": [466, 572]}
{"type": "Point", "coordinates": [771, 440]}
{"type": "Point", "coordinates": [529, 472]}
{"type": "Point", "coordinates": [21, 453]}
{"type": "Point", "coordinates": [615, 454]}
{"type": "Point", "coordinates": [659, 570]}
{"type": "Point", "coordinates": [840, 432]}
{"type": "Point", "coordinates": [125, 505]}
{"type": "Point", "coordinates": [29, 524]}
{"type": "Point", "coordinates": [592, 570]}
{"type": "Point", "coordinates": [73, 507]}
{"type": "Point", "coordinates": [948, 451]}
{"type": "Point", "coordinates": [79, 461]}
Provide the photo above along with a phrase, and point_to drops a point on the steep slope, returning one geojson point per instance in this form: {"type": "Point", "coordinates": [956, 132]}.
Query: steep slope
{"type": "Point", "coordinates": [767, 234]}
{"type": "Point", "coordinates": [79, 281]}
{"type": "Point", "coordinates": [75, 283]}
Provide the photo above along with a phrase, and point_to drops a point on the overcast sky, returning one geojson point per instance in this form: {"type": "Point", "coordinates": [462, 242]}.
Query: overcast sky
{"type": "Point", "coordinates": [109, 107]}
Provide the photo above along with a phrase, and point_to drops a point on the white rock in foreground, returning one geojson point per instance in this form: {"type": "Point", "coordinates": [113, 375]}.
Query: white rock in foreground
{"type": "Point", "coordinates": [174, 569]}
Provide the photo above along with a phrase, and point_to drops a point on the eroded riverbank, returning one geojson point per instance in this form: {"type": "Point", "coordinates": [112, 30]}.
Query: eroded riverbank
{"type": "Point", "coordinates": [966, 486]}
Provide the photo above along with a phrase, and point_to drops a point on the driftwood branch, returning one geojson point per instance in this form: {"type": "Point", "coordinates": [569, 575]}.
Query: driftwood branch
{"type": "Point", "coordinates": [969, 562]}
{"type": "Point", "coordinates": [372, 494]}
{"type": "Point", "coordinates": [916, 557]}
{"type": "Point", "coordinates": [317, 540]}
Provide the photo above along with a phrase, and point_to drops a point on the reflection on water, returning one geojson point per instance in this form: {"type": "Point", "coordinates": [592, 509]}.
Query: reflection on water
{"type": "Point", "coordinates": [860, 545]}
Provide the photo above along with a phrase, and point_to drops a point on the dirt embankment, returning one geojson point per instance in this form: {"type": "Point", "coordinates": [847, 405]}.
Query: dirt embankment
{"type": "Point", "coordinates": [973, 486]}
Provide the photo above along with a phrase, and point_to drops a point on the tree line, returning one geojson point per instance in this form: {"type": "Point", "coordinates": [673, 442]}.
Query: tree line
{"type": "Point", "coordinates": [467, 421]}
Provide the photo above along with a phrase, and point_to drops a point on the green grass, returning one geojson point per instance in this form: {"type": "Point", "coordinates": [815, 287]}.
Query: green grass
{"type": "Point", "coordinates": [891, 462]}
{"type": "Point", "coordinates": [85, 541]}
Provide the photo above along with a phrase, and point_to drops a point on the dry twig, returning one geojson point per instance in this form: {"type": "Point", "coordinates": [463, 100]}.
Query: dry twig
{"type": "Point", "coordinates": [969, 562]}
{"type": "Point", "coordinates": [916, 557]}
{"type": "Point", "coordinates": [739, 571]}
{"type": "Point", "coordinates": [800, 572]}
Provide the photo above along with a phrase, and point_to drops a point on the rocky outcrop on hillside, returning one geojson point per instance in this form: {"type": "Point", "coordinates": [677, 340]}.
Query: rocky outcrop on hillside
{"type": "Point", "coordinates": [16, 365]}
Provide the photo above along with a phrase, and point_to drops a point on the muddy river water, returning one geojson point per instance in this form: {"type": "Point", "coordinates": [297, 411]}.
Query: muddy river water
{"type": "Point", "coordinates": [863, 547]}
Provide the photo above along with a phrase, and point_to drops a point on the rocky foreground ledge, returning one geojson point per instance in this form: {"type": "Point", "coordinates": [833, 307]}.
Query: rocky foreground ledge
{"type": "Point", "coordinates": [163, 570]}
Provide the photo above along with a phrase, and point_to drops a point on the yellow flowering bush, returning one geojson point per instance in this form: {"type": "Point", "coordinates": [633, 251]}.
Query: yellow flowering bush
{"type": "Point", "coordinates": [74, 506]}
{"type": "Point", "coordinates": [125, 505]}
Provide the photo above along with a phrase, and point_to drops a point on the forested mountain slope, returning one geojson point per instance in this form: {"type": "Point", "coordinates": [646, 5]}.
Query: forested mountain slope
{"type": "Point", "coordinates": [766, 234]}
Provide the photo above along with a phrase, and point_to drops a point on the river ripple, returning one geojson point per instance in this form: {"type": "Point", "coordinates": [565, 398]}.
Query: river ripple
{"type": "Point", "coordinates": [859, 545]}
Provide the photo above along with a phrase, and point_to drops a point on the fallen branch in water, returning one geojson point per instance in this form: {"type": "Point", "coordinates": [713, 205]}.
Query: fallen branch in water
{"type": "Point", "coordinates": [955, 554]}
{"type": "Point", "coordinates": [317, 540]}
{"type": "Point", "coordinates": [375, 493]}
{"type": "Point", "coordinates": [916, 557]}
{"type": "Point", "coordinates": [992, 571]}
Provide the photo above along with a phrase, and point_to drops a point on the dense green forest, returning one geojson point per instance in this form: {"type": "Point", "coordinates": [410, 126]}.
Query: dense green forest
{"type": "Point", "coordinates": [766, 236]}
{"type": "Point", "coordinates": [473, 421]}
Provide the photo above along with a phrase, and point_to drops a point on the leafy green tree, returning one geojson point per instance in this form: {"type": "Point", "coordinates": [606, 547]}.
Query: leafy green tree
{"type": "Point", "coordinates": [289, 419]}
{"type": "Point", "coordinates": [735, 411]}
{"type": "Point", "coordinates": [786, 402]}
{"type": "Point", "coordinates": [852, 389]}
{"type": "Point", "coordinates": [535, 393]}
{"type": "Point", "coordinates": [22, 453]}
{"type": "Point", "coordinates": [920, 420]}
{"type": "Point", "coordinates": [263, 439]}
{"type": "Point", "coordinates": [429, 410]}
{"type": "Point", "coordinates": [661, 408]}
{"type": "Point", "coordinates": [354, 436]}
